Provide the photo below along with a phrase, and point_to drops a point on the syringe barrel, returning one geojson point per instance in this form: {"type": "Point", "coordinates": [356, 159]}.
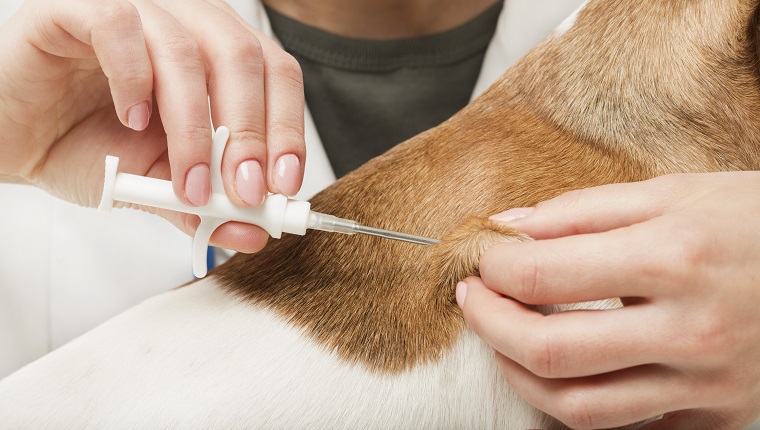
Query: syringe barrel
{"type": "Point", "coordinates": [276, 215]}
{"type": "Point", "coordinates": [145, 191]}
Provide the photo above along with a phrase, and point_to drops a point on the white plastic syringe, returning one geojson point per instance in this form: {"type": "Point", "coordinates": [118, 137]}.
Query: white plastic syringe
{"type": "Point", "coordinates": [276, 215]}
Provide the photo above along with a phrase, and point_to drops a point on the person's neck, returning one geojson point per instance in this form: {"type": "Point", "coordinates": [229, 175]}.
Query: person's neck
{"type": "Point", "coordinates": [381, 19]}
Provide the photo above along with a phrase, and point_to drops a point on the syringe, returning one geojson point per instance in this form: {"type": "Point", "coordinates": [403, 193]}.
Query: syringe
{"type": "Point", "coordinates": [276, 215]}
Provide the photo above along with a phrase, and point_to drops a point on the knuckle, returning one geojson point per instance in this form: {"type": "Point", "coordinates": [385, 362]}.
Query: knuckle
{"type": "Point", "coordinates": [194, 133]}
{"type": "Point", "coordinates": [712, 337]}
{"type": "Point", "coordinates": [655, 268]}
{"type": "Point", "coordinates": [534, 359]}
{"type": "Point", "coordinates": [111, 20]}
{"type": "Point", "coordinates": [574, 411]}
{"type": "Point", "coordinates": [116, 14]}
{"type": "Point", "coordinates": [224, 6]}
{"type": "Point", "coordinates": [132, 73]}
{"type": "Point", "coordinates": [545, 355]}
{"type": "Point", "coordinates": [248, 135]}
{"type": "Point", "coordinates": [526, 267]}
{"type": "Point", "coordinates": [182, 49]}
{"type": "Point", "coordinates": [286, 67]}
{"type": "Point", "coordinates": [680, 255]}
{"type": "Point", "coordinates": [686, 250]}
{"type": "Point", "coordinates": [692, 249]}
{"type": "Point", "coordinates": [243, 46]}
{"type": "Point", "coordinates": [288, 133]}
{"type": "Point", "coordinates": [570, 199]}
{"type": "Point", "coordinates": [567, 201]}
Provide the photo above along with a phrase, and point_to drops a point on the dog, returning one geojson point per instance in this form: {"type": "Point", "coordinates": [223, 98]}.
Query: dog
{"type": "Point", "coordinates": [330, 331]}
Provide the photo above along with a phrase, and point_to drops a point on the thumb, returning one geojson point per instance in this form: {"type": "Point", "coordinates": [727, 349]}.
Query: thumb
{"type": "Point", "coordinates": [592, 210]}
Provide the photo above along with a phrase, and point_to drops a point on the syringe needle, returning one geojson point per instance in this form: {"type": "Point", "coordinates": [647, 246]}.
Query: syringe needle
{"type": "Point", "coordinates": [388, 234]}
{"type": "Point", "coordinates": [324, 222]}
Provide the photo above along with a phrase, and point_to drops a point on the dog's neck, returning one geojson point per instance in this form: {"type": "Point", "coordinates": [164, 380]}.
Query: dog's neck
{"type": "Point", "coordinates": [671, 82]}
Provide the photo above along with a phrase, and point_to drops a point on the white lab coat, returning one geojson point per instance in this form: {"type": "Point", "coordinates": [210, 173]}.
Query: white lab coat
{"type": "Point", "coordinates": [64, 269]}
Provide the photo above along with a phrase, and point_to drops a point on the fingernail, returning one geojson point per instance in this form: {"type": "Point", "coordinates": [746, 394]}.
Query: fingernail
{"type": "Point", "coordinates": [138, 116]}
{"type": "Point", "coordinates": [287, 174]}
{"type": "Point", "coordinates": [461, 293]}
{"type": "Point", "coordinates": [197, 185]}
{"type": "Point", "coordinates": [512, 214]}
{"type": "Point", "coordinates": [249, 182]}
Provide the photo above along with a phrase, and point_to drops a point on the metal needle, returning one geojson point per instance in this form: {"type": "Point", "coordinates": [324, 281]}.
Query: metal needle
{"type": "Point", "coordinates": [396, 235]}
{"type": "Point", "coordinates": [324, 222]}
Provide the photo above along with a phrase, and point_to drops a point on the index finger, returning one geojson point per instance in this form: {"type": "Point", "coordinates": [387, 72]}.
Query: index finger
{"type": "Point", "coordinates": [626, 262]}
{"type": "Point", "coordinates": [180, 87]}
{"type": "Point", "coordinates": [599, 209]}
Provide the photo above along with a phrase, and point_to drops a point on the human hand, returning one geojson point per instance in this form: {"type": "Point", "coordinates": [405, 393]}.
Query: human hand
{"type": "Point", "coordinates": [78, 80]}
{"type": "Point", "coordinates": [683, 253]}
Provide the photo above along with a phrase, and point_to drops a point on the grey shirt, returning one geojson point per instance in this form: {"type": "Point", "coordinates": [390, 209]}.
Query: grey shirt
{"type": "Point", "coordinates": [366, 96]}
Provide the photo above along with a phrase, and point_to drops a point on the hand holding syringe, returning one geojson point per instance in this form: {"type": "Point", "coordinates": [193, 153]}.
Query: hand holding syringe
{"type": "Point", "coordinates": [276, 215]}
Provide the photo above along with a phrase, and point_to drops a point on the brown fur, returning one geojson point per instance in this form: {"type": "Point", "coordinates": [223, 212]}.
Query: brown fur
{"type": "Point", "coordinates": [636, 89]}
{"type": "Point", "coordinates": [459, 256]}
{"type": "Point", "coordinates": [672, 83]}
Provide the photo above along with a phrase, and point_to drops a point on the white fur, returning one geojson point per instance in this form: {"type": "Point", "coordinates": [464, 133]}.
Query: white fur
{"type": "Point", "coordinates": [569, 22]}
{"type": "Point", "coordinates": [198, 358]}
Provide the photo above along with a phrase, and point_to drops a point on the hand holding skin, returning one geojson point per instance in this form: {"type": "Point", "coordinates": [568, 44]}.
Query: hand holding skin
{"type": "Point", "coordinates": [683, 252]}
{"type": "Point", "coordinates": [82, 79]}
